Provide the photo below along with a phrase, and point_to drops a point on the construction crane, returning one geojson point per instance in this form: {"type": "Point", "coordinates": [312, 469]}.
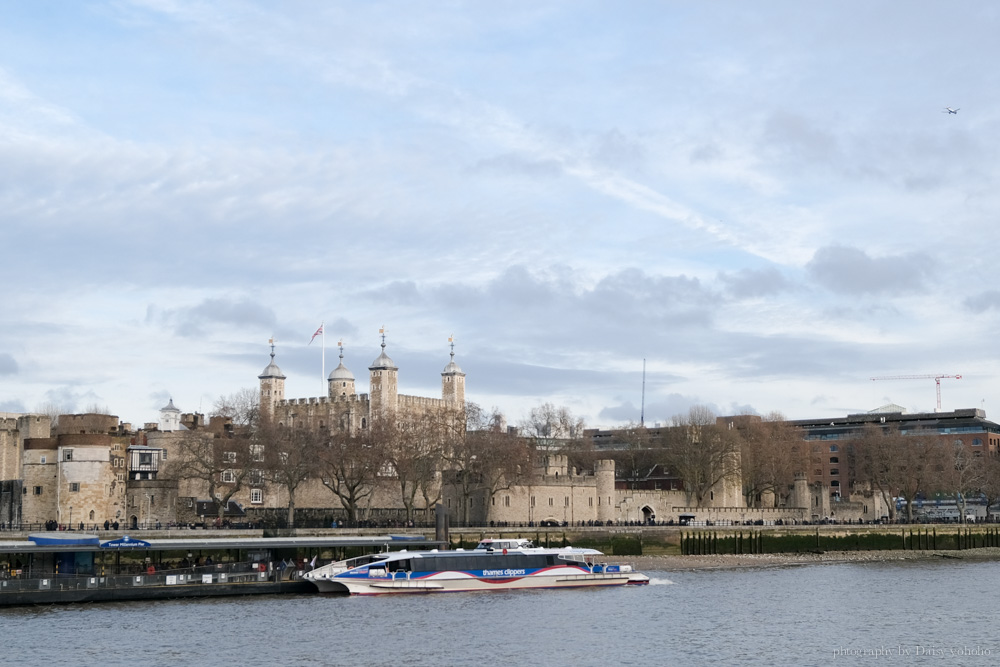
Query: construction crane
{"type": "Point", "coordinates": [937, 379]}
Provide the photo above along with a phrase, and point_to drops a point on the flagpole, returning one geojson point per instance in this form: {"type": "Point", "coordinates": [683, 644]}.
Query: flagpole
{"type": "Point", "coordinates": [322, 378]}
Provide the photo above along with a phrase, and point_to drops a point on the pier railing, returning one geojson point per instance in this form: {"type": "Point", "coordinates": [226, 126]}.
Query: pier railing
{"type": "Point", "coordinates": [707, 542]}
{"type": "Point", "coordinates": [210, 575]}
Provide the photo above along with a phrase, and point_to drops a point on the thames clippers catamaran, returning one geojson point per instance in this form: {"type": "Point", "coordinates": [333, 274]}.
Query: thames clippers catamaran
{"type": "Point", "coordinates": [492, 565]}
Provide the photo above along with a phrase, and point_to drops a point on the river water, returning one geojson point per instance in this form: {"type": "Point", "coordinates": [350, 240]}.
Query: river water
{"type": "Point", "coordinates": [899, 613]}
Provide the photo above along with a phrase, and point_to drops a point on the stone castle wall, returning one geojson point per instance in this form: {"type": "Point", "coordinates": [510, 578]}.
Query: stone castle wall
{"type": "Point", "coordinates": [13, 432]}
{"type": "Point", "coordinates": [87, 423]}
{"type": "Point", "coordinates": [41, 474]}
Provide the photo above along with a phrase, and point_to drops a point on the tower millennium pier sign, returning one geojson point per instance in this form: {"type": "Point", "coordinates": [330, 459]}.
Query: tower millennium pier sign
{"type": "Point", "coordinates": [125, 542]}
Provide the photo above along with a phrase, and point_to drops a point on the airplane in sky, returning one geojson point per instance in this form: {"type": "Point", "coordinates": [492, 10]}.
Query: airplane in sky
{"type": "Point", "coordinates": [950, 110]}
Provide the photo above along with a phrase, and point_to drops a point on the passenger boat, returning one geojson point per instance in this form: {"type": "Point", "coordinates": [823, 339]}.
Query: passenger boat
{"type": "Point", "coordinates": [492, 565]}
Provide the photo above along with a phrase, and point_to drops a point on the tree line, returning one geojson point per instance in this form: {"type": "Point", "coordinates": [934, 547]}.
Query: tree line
{"type": "Point", "coordinates": [471, 451]}
{"type": "Point", "coordinates": [467, 449]}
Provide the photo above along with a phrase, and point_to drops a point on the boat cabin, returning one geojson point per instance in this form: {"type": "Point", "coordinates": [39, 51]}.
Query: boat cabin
{"type": "Point", "coordinates": [503, 545]}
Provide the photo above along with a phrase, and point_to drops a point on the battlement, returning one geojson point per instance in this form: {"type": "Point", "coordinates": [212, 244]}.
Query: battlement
{"type": "Point", "coordinates": [323, 400]}
{"type": "Point", "coordinates": [87, 423]}
{"type": "Point", "coordinates": [566, 480]}
{"type": "Point", "coordinates": [403, 400]}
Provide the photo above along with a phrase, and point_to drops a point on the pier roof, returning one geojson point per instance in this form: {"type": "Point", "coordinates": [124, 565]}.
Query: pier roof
{"type": "Point", "coordinates": [218, 543]}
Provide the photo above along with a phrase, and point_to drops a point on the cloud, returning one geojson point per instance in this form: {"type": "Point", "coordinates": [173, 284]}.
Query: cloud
{"type": "Point", "coordinates": [213, 313]}
{"type": "Point", "coordinates": [979, 303]}
{"type": "Point", "coordinates": [659, 409]}
{"type": "Point", "coordinates": [70, 400]}
{"type": "Point", "coordinates": [517, 165]}
{"type": "Point", "coordinates": [851, 271]}
{"type": "Point", "coordinates": [12, 405]}
{"type": "Point", "coordinates": [559, 315]}
{"type": "Point", "coordinates": [8, 365]}
{"type": "Point", "coordinates": [800, 139]}
{"type": "Point", "coordinates": [751, 283]}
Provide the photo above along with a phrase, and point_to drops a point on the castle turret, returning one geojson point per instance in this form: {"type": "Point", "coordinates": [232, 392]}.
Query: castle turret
{"type": "Point", "coordinates": [383, 379]}
{"type": "Point", "coordinates": [170, 417]}
{"type": "Point", "coordinates": [800, 491]}
{"type": "Point", "coordinates": [604, 471]}
{"type": "Point", "coordinates": [453, 380]}
{"type": "Point", "coordinates": [272, 385]}
{"type": "Point", "coordinates": [341, 380]}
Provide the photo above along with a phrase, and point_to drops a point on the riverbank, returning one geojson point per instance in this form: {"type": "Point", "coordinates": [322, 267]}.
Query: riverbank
{"type": "Point", "coordinates": [729, 561]}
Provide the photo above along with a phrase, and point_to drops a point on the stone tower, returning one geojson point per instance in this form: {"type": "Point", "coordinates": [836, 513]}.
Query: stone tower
{"type": "Point", "coordinates": [341, 380]}
{"type": "Point", "coordinates": [800, 491]}
{"type": "Point", "coordinates": [383, 379]}
{"type": "Point", "coordinates": [453, 380]}
{"type": "Point", "coordinates": [272, 386]}
{"type": "Point", "coordinates": [604, 471]}
{"type": "Point", "coordinates": [170, 417]}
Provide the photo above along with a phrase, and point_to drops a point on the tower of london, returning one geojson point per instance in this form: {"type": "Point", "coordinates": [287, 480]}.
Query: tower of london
{"type": "Point", "coordinates": [344, 409]}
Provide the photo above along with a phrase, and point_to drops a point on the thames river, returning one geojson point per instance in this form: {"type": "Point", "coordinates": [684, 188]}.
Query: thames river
{"type": "Point", "coordinates": [896, 613]}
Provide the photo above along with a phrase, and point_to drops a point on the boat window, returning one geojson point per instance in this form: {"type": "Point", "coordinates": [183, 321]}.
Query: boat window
{"type": "Point", "coordinates": [365, 560]}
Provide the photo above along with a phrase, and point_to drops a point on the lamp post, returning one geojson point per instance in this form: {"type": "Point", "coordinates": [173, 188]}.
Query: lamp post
{"type": "Point", "coordinates": [71, 517]}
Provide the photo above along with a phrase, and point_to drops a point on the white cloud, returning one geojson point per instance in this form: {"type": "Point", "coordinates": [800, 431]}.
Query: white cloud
{"type": "Point", "coordinates": [764, 215]}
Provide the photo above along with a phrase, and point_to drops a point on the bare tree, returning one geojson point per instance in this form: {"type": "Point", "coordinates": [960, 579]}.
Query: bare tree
{"type": "Point", "coordinates": [484, 459]}
{"type": "Point", "coordinates": [990, 484]}
{"type": "Point", "coordinates": [222, 464]}
{"type": "Point", "coordinates": [875, 455]}
{"type": "Point", "coordinates": [549, 422]}
{"type": "Point", "coordinates": [241, 408]}
{"type": "Point", "coordinates": [702, 453]}
{"type": "Point", "coordinates": [921, 461]}
{"type": "Point", "coordinates": [965, 477]}
{"type": "Point", "coordinates": [349, 466]}
{"type": "Point", "coordinates": [52, 411]}
{"type": "Point", "coordinates": [290, 457]}
{"type": "Point", "coordinates": [634, 453]}
{"type": "Point", "coordinates": [414, 453]}
{"type": "Point", "coordinates": [771, 452]}
{"type": "Point", "coordinates": [558, 429]}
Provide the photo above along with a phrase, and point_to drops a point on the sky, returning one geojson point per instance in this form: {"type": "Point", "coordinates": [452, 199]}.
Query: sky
{"type": "Point", "coordinates": [763, 204]}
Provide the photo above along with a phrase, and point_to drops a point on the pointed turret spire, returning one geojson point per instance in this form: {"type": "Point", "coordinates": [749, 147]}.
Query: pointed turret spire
{"type": "Point", "coordinates": [341, 372]}
{"type": "Point", "coordinates": [452, 368]}
{"type": "Point", "coordinates": [272, 370]}
{"type": "Point", "coordinates": [383, 360]}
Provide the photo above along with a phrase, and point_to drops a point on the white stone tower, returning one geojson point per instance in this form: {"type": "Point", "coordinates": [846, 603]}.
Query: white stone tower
{"type": "Point", "coordinates": [272, 386]}
{"type": "Point", "coordinates": [383, 381]}
{"type": "Point", "coordinates": [453, 379]}
{"type": "Point", "coordinates": [170, 417]}
{"type": "Point", "coordinates": [341, 380]}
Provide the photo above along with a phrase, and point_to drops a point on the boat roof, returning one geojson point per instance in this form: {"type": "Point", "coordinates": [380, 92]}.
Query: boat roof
{"type": "Point", "coordinates": [483, 553]}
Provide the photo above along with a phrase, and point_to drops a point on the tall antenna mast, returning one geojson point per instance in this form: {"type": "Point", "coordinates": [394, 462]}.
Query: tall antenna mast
{"type": "Point", "coordinates": [642, 410]}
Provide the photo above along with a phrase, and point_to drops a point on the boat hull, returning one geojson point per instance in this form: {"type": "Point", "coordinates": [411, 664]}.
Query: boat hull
{"type": "Point", "coordinates": [443, 582]}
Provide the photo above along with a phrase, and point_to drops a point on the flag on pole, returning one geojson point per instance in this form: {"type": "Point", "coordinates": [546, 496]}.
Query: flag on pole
{"type": "Point", "coordinates": [318, 332]}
